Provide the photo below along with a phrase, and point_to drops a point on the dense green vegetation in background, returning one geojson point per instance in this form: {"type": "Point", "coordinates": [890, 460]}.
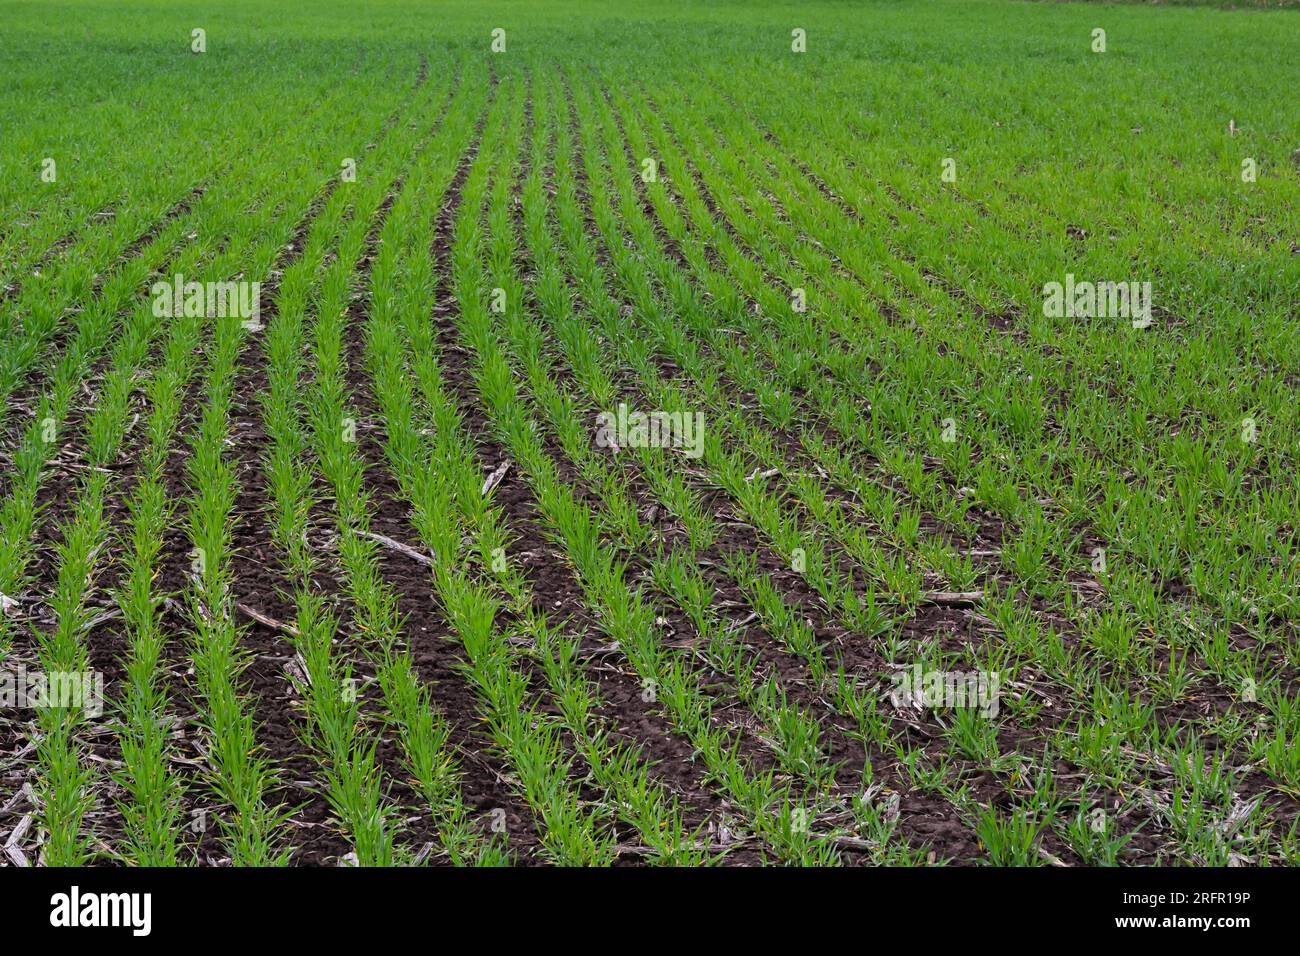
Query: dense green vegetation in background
{"type": "Point", "coordinates": [1226, 4]}
{"type": "Point", "coordinates": [836, 255]}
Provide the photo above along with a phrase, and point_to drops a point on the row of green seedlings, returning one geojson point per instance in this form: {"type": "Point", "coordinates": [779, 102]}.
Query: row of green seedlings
{"type": "Point", "coordinates": [966, 725]}
{"type": "Point", "coordinates": [442, 517]}
{"type": "Point", "coordinates": [818, 562]}
{"type": "Point", "coordinates": [792, 734]}
{"type": "Point", "coordinates": [624, 611]}
{"type": "Point", "coordinates": [97, 326]}
{"type": "Point", "coordinates": [796, 733]}
{"type": "Point", "coordinates": [151, 806]}
{"type": "Point", "coordinates": [526, 738]}
{"type": "Point", "coordinates": [330, 699]}
{"type": "Point", "coordinates": [240, 777]}
{"type": "Point", "coordinates": [618, 768]}
{"type": "Point", "coordinates": [64, 781]}
{"type": "Point", "coordinates": [645, 304]}
{"type": "Point", "coordinates": [841, 468]}
{"type": "Point", "coordinates": [338, 730]}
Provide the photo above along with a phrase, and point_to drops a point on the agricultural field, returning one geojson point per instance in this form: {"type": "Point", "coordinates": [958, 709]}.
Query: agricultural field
{"type": "Point", "coordinates": [608, 433]}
